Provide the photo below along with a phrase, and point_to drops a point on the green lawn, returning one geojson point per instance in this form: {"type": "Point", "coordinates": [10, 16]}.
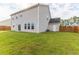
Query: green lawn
{"type": "Point", "coordinates": [43, 43]}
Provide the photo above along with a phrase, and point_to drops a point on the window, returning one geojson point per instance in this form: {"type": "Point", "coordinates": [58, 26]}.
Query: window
{"type": "Point", "coordinates": [13, 26]}
{"type": "Point", "coordinates": [25, 26]}
{"type": "Point", "coordinates": [28, 25]}
{"type": "Point", "coordinates": [16, 17]}
{"type": "Point", "coordinates": [20, 15]}
{"type": "Point", "coordinates": [48, 18]}
{"type": "Point", "coordinates": [32, 27]}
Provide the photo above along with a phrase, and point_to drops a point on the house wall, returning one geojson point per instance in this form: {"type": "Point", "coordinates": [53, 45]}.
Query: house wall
{"type": "Point", "coordinates": [29, 16]}
{"type": "Point", "coordinates": [44, 17]}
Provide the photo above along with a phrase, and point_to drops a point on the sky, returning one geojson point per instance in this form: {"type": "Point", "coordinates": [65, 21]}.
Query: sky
{"type": "Point", "coordinates": [63, 10]}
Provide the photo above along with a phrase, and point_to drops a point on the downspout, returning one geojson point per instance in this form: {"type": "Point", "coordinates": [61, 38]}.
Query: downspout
{"type": "Point", "coordinates": [49, 11]}
{"type": "Point", "coordinates": [49, 16]}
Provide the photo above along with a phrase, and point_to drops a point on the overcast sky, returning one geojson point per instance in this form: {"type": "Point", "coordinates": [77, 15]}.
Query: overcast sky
{"type": "Point", "coordinates": [63, 10]}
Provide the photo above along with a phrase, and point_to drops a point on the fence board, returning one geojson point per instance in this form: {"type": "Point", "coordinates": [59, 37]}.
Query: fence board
{"type": "Point", "coordinates": [5, 28]}
{"type": "Point", "coordinates": [69, 28]}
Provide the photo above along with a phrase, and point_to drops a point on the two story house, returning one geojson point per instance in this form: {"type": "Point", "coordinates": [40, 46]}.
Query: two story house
{"type": "Point", "coordinates": [36, 18]}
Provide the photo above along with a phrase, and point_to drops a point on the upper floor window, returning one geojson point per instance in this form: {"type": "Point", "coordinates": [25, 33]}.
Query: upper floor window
{"type": "Point", "coordinates": [48, 18]}
{"type": "Point", "coordinates": [21, 15]}
{"type": "Point", "coordinates": [16, 17]}
{"type": "Point", "coordinates": [12, 18]}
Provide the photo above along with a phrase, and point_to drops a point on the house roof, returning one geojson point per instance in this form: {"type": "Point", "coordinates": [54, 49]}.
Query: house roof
{"type": "Point", "coordinates": [54, 20]}
{"type": "Point", "coordinates": [29, 8]}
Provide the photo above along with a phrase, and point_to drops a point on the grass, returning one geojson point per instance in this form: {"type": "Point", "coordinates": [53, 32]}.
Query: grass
{"type": "Point", "coordinates": [48, 43]}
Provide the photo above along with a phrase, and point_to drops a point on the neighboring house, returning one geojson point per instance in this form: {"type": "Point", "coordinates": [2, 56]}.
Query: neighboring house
{"type": "Point", "coordinates": [6, 22]}
{"type": "Point", "coordinates": [73, 21]}
{"type": "Point", "coordinates": [36, 18]}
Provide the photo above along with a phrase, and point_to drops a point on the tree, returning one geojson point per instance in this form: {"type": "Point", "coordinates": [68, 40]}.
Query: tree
{"type": "Point", "coordinates": [74, 18]}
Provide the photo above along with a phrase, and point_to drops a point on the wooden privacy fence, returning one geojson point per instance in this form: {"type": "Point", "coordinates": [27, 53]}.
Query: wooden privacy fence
{"type": "Point", "coordinates": [5, 28]}
{"type": "Point", "coordinates": [69, 28]}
